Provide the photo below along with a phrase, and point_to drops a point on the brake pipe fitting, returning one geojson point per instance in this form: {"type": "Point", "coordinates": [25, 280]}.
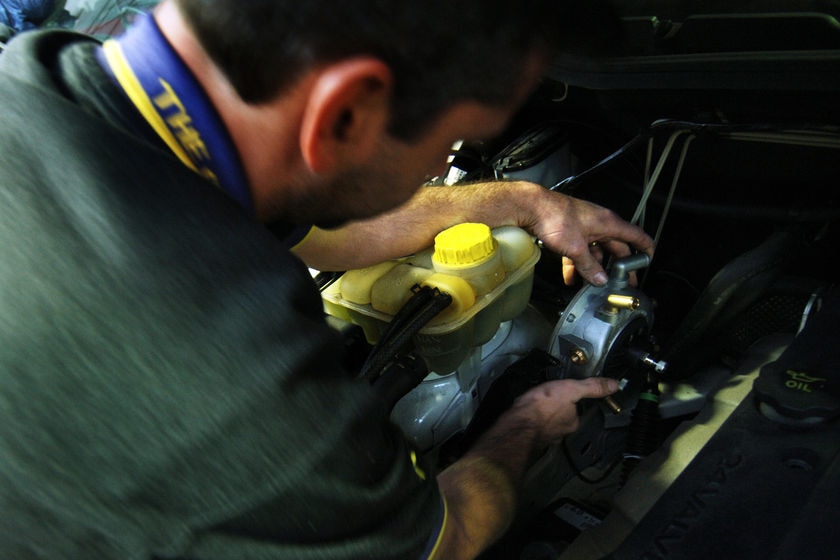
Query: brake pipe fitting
{"type": "Point", "coordinates": [623, 302]}
{"type": "Point", "coordinates": [614, 406]}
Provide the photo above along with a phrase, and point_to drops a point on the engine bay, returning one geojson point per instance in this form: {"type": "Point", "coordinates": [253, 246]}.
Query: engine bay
{"type": "Point", "coordinates": [715, 126]}
{"type": "Point", "coordinates": [719, 135]}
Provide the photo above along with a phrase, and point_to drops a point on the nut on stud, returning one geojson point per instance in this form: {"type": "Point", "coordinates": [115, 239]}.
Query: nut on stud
{"type": "Point", "coordinates": [578, 356]}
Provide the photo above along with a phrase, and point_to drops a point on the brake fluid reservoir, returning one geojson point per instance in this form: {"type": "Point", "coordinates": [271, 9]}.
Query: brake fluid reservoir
{"type": "Point", "coordinates": [356, 285]}
{"type": "Point", "coordinates": [462, 294]}
{"type": "Point", "coordinates": [393, 289]}
{"type": "Point", "coordinates": [488, 273]}
{"type": "Point", "coordinates": [516, 247]}
{"type": "Point", "coordinates": [469, 250]}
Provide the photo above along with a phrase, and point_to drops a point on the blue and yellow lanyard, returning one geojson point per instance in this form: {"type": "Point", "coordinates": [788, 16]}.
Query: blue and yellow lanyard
{"type": "Point", "coordinates": [166, 93]}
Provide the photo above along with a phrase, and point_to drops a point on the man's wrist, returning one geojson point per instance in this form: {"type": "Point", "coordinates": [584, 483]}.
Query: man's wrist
{"type": "Point", "coordinates": [526, 203]}
{"type": "Point", "coordinates": [512, 442]}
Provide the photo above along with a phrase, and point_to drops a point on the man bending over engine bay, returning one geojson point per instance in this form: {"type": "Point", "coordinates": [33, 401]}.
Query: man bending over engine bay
{"type": "Point", "coordinates": [168, 384]}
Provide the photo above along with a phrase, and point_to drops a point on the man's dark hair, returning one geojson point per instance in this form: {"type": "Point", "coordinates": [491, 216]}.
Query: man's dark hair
{"type": "Point", "coordinates": [440, 51]}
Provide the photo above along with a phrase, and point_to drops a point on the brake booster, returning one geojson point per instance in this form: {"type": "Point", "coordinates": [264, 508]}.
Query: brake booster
{"type": "Point", "coordinates": [605, 330]}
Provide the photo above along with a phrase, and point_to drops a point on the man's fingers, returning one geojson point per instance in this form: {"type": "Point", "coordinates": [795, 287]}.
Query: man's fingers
{"type": "Point", "coordinates": [616, 248]}
{"type": "Point", "coordinates": [596, 387]}
{"type": "Point", "coordinates": [568, 271]}
{"type": "Point", "coordinates": [641, 241]}
{"type": "Point", "coordinates": [590, 269]}
{"type": "Point", "coordinates": [596, 249]}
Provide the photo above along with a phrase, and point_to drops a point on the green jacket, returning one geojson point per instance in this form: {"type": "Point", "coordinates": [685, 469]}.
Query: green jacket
{"type": "Point", "coordinates": [168, 385]}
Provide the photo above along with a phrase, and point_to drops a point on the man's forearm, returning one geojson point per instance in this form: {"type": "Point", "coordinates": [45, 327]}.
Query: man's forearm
{"type": "Point", "coordinates": [482, 487]}
{"type": "Point", "coordinates": [412, 226]}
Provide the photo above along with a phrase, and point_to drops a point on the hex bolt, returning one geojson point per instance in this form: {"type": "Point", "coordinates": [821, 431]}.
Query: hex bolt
{"type": "Point", "coordinates": [658, 365]}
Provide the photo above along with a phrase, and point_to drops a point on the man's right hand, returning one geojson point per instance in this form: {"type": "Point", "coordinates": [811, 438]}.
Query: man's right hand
{"type": "Point", "coordinates": [481, 488]}
{"type": "Point", "coordinates": [554, 404]}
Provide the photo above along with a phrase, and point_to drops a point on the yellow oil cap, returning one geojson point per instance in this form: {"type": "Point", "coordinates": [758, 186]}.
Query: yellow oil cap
{"type": "Point", "coordinates": [463, 245]}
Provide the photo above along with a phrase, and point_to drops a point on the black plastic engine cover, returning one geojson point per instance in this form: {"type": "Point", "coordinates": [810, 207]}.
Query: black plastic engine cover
{"type": "Point", "coordinates": [758, 490]}
{"type": "Point", "coordinates": [803, 385]}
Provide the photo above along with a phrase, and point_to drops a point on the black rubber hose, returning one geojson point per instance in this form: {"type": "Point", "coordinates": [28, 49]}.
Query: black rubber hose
{"type": "Point", "coordinates": [399, 337]}
{"type": "Point", "coordinates": [398, 378]}
{"type": "Point", "coordinates": [402, 337]}
{"type": "Point", "coordinates": [404, 316]}
{"type": "Point", "coordinates": [420, 298]}
{"type": "Point", "coordinates": [644, 432]}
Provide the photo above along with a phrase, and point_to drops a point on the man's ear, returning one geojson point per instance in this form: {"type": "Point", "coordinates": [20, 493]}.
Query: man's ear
{"type": "Point", "coordinates": [346, 114]}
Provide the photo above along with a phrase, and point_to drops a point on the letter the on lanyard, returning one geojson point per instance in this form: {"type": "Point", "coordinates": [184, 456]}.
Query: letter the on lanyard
{"type": "Point", "coordinates": [171, 100]}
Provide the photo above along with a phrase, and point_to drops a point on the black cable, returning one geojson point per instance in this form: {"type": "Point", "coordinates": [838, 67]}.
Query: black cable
{"type": "Point", "coordinates": [403, 334]}
{"type": "Point", "coordinates": [420, 298]}
{"type": "Point", "coordinates": [690, 126]}
{"type": "Point", "coordinates": [568, 181]}
{"type": "Point", "coordinates": [579, 472]}
{"type": "Point", "coordinates": [323, 279]}
{"type": "Point", "coordinates": [424, 305]}
{"type": "Point", "coordinates": [398, 378]}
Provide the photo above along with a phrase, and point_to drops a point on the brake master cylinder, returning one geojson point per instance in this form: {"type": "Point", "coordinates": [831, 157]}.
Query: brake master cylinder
{"type": "Point", "coordinates": [489, 275]}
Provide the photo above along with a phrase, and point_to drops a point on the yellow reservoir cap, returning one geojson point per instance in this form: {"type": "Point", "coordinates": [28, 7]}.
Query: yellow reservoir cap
{"type": "Point", "coordinates": [466, 244]}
